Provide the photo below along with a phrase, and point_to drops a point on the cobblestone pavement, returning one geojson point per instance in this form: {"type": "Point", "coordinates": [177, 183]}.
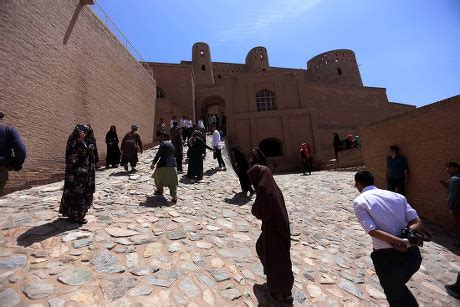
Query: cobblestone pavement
{"type": "Point", "coordinates": [141, 250]}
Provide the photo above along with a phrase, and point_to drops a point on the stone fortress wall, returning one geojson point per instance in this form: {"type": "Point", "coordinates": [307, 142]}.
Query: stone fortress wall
{"type": "Point", "coordinates": [327, 97]}
{"type": "Point", "coordinates": [48, 86]}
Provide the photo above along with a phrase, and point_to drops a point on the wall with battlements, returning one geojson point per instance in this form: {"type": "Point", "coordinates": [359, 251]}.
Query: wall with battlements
{"type": "Point", "coordinates": [49, 85]}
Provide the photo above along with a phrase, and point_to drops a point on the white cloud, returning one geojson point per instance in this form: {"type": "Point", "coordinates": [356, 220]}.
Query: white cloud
{"type": "Point", "coordinates": [273, 12]}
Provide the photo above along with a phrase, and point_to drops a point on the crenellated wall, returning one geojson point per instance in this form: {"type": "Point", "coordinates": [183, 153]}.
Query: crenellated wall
{"type": "Point", "coordinates": [335, 67]}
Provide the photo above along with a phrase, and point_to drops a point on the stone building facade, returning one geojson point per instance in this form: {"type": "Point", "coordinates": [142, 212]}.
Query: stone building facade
{"type": "Point", "coordinates": [273, 108]}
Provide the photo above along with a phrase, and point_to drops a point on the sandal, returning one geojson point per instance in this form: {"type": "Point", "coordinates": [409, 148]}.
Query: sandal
{"type": "Point", "coordinates": [82, 221]}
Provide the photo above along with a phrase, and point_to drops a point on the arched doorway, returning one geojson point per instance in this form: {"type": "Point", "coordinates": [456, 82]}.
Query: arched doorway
{"type": "Point", "coordinates": [213, 105]}
{"type": "Point", "coordinates": [271, 147]}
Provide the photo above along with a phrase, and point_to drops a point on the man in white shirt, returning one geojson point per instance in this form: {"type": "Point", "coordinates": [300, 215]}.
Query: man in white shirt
{"type": "Point", "coordinates": [217, 147]}
{"type": "Point", "coordinates": [173, 120]}
{"type": "Point", "coordinates": [383, 214]}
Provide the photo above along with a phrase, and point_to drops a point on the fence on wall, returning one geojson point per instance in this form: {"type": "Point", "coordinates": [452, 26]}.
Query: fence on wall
{"type": "Point", "coordinates": [110, 24]}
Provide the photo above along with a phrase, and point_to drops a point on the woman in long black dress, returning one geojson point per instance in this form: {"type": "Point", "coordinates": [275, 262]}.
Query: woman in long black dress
{"type": "Point", "coordinates": [79, 184]}
{"type": "Point", "coordinates": [113, 152]}
{"type": "Point", "coordinates": [257, 157]}
{"type": "Point", "coordinates": [241, 167]}
{"type": "Point", "coordinates": [195, 153]}
{"type": "Point", "coordinates": [274, 244]}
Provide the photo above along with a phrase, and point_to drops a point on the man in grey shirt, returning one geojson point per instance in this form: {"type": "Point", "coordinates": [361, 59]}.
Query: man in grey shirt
{"type": "Point", "coordinates": [453, 201]}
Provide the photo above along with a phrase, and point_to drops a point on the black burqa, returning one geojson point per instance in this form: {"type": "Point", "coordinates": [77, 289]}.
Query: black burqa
{"type": "Point", "coordinates": [241, 167]}
{"type": "Point", "coordinates": [79, 182]}
{"type": "Point", "coordinates": [113, 152]}
{"type": "Point", "coordinates": [274, 243]}
{"type": "Point", "coordinates": [257, 157]}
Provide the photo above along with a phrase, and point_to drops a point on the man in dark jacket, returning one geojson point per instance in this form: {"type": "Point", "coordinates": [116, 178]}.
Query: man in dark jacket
{"type": "Point", "coordinates": [12, 152]}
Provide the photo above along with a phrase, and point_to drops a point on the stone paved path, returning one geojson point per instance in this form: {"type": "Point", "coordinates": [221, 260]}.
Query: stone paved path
{"type": "Point", "coordinates": [140, 250]}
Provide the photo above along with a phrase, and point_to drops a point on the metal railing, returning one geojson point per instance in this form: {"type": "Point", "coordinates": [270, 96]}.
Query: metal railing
{"type": "Point", "coordinates": [110, 24]}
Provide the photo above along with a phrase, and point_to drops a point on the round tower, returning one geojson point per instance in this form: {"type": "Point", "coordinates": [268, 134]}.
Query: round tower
{"type": "Point", "coordinates": [201, 64]}
{"type": "Point", "coordinates": [257, 60]}
{"type": "Point", "coordinates": [335, 67]}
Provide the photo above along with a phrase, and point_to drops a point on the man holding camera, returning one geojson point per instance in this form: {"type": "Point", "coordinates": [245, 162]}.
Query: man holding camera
{"type": "Point", "coordinates": [383, 215]}
{"type": "Point", "coordinates": [12, 152]}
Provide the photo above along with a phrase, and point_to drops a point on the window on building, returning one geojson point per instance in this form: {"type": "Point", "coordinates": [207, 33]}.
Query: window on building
{"type": "Point", "coordinates": [219, 77]}
{"type": "Point", "coordinates": [160, 93]}
{"type": "Point", "coordinates": [339, 71]}
{"type": "Point", "coordinates": [203, 67]}
{"type": "Point", "coordinates": [266, 101]}
{"type": "Point", "coordinates": [202, 53]}
{"type": "Point", "coordinates": [271, 147]}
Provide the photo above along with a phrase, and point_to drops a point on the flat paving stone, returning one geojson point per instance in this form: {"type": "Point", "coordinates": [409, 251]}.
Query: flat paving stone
{"type": "Point", "coordinates": [106, 263]}
{"type": "Point", "coordinates": [40, 290]}
{"type": "Point", "coordinates": [115, 288]}
{"type": "Point", "coordinates": [75, 277]}
{"type": "Point", "coordinates": [158, 282]}
{"type": "Point", "coordinates": [13, 262]}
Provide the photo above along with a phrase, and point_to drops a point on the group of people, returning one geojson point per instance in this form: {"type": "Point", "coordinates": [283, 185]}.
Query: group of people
{"type": "Point", "coordinates": [385, 215]}
{"type": "Point", "coordinates": [219, 122]}
{"type": "Point", "coordinates": [349, 143]}
{"type": "Point", "coordinates": [81, 163]}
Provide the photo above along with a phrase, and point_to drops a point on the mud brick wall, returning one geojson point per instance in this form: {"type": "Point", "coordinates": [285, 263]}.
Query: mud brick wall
{"type": "Point", "coordinates": [49, 84]}
{"type": "Point", "coordinates": [428, 137]}
{"type": "Point", "coordinates": [351, 157]}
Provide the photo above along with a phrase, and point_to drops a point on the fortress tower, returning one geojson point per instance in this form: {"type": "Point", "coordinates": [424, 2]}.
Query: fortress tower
{"type": "Point", "coordinates": [257, 60]}
{"type": "Point", "coordinates": [335, 67]}
{"type": "Point", "coordinates": [201, 64]}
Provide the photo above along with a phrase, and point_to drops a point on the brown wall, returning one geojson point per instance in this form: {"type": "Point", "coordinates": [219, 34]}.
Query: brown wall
{"type": "Point", "coordinates": [179, 87]}
{"type": "Point", "coordinates": [47, 87]}
{"type": "Point", "coordinates": [428, 137]}
{"type": "Point", "coordinates": [350, 157]}
{"type": "Point", "coordinates": [335, 109]}
{"type": "Point", "coordinates": [178, 84]}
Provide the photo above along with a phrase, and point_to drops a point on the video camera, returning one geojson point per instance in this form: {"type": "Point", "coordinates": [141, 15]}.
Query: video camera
{"type": "Point", "coordinates": [415, 237]}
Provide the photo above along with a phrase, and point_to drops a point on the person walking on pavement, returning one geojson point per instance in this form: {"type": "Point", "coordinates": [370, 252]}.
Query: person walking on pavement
{"type": "Point", "coordinates": [383, 214]}
{"type": "Point", "coordinates": [12, 152]}
{"type": "Point", "coordinates": [80, 173]}
{"type": "Point", "coordinates": [217, 147]}
{"type": "Point", "coordinates": [130, 145]}
{"type": "Point", "coordinates": [178, 142]}
{"type": "Point", "coordinates": [165, 174]}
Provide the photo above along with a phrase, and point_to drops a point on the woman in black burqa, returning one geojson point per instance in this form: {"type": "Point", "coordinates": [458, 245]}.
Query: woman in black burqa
{"type": "Point", "coordinates": [79, 183]}
{"type": "Point", "coordinates": [274, 243]}
{"type": "Point", "coordinates": [113, 151]}
{"type": "Point", "coordinates": [241, 166]}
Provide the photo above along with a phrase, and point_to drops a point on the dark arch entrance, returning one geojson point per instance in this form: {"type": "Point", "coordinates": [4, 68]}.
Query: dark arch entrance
{"type": "Point", "coordinates": [271, 147]}
{"type": "Point", "coordinates": [214, 105]}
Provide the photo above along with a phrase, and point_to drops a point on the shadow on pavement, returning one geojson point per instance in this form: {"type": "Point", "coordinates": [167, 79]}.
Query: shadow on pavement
{"type": "Point", "coordinates": [442, 237]}
{"type": "Point", "coordinates": [156, 201]}
{"type": "Point", "coordinates": [211, 172]}
{"type": "Point", "coordinates": [45, 231]}
{"type": "Point", "coordinates": [121, 173]}
{"type": "Point", "coordinates": [238, 199]}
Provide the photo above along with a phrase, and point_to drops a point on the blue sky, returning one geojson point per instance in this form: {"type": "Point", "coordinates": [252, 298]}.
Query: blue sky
{"type": "Point", "coordinates": [410, 47]}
